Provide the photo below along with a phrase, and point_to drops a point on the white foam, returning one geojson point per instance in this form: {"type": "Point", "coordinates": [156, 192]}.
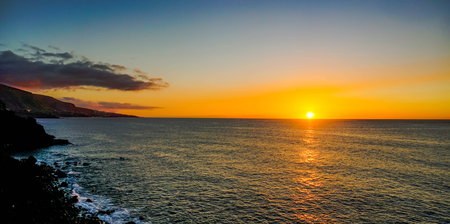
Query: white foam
{"type": "Point", "coordinates": [100, 203]}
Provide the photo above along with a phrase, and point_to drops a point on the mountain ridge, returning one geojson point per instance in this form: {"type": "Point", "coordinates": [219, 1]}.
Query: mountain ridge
{"type": "Point", "coordinates": [27, 104]}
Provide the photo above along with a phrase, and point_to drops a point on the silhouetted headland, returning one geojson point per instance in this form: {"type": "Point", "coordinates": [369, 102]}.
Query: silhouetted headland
{"type": "Point", "coordinates": [27, 104]}
{"type": "Point", "coordinates": [20, 134]}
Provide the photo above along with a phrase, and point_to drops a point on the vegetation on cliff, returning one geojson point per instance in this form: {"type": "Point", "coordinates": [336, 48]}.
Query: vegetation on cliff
{"type": "Point", "coordinates": [27, 104]}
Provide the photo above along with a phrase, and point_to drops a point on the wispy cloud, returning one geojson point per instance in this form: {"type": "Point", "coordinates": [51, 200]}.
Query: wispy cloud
{"type": "Point", "coordinates": [115, 105]}
{"type": "Point", "coordinates": [101, 105]}
{"type": "Point", "coordinates": [33, 47]}
{"type": "Point", "coordinates": [53, 47]}
{"type": "Point", "coordinates": [48, 70]}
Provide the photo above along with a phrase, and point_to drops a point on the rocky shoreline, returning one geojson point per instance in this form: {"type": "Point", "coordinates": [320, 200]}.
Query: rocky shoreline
{"type": "Point", "coordinates": [22, 134]}
{"type": "Point", "coordinates": [31, 193]}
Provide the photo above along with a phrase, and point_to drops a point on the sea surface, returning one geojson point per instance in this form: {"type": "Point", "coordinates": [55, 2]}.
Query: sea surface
{"type": "Point", "coordinates": [256, 171]}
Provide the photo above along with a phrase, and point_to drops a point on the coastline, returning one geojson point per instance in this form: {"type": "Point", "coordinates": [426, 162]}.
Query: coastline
{"type": "Point", "coordinates": [31, 193]}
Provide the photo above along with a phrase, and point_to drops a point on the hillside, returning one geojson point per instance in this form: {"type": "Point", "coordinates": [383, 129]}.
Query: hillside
{"type": "Point", "coordinates": [27, 104]}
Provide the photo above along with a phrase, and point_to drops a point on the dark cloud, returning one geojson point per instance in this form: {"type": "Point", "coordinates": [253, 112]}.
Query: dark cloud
{"type": "Point", "coordinates": [70, 73]}
{"type": "Point", "coordinates": [57, 55]}
{"type": "Point", "coordinates": [53, 47]}
{"type": "Point", "coordinates": [102, 67]}
{"type": "Point", "coordinates": [101, 105]}
{"type": "Point", "coordinates": [119, 67]}
{"type": "Point", "coordinates": [33, 47]}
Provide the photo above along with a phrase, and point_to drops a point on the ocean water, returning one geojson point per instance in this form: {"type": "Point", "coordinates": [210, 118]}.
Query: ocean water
{"type": "Point", "coordinates": [256, 171]}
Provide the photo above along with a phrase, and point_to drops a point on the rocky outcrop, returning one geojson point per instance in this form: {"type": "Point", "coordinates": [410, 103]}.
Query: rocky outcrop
{"type": "Point", "coordinates": [30, 193]}
{"type": "Point", "coordinates": [27, 104]}
{"type": "Point", "coordinates": [20, 133]}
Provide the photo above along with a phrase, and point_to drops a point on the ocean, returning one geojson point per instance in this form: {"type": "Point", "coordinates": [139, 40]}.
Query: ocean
{"type": "Point", "coordinates": [255, 171]}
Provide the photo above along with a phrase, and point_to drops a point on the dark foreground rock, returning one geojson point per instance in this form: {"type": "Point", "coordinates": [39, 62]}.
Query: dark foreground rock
{"type": "Point", "coordinates": [30, 193]}
{"type": "Point", "coordinates": [19, 134]}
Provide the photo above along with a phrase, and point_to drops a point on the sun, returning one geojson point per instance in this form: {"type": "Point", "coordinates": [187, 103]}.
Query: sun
{"type": "Point", "coordinates": [310, 115]}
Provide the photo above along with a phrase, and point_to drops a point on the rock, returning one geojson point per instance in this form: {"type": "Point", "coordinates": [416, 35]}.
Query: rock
{"type": "Point", "coordinates": [107, 212]}
{"type": "Point", "coordinates": [141, 218]}
{"type": "Point", "coordinates": [60, 142]}
{"type": "Point", "coordinates": [60, 174]}
{"type": "Point", "coordinates": [86, 164]}
{"type": "Point", "coordinates": [64, 184]}
{"type": "Point", "coordinates": [20, 134]}
{"type": "Point", "coordinates": [32, 160]}
{"type": "Point", "coordinates": [73, 199]}
{"type": "Point", "coordinates": [88, 200]}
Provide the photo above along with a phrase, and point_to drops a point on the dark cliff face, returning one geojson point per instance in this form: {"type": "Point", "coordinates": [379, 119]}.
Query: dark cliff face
{"type": "Point", "coordinates": [20, 133]}
{"type": "Point", "coordinates": [27, 104]}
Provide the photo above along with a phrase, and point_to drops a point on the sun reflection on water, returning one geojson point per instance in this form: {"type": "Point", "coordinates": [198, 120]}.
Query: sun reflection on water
{"type": "Point", "coordinates": [308, 181]}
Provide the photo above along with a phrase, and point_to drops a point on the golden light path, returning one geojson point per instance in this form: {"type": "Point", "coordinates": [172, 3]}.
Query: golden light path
{"type": "Point", "coordinates": [310, 115]}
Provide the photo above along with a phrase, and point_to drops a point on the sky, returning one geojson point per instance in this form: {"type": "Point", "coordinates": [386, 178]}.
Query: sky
{"type": "Point", "coordinates": [233, 59]}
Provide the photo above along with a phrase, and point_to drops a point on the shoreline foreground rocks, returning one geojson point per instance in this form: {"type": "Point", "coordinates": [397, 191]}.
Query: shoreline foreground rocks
{"type": "Point", "coordinates": [31, 193]}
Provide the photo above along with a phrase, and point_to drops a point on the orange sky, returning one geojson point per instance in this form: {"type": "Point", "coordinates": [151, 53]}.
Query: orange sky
{"type": "Point", "coordinates": [408, 91]}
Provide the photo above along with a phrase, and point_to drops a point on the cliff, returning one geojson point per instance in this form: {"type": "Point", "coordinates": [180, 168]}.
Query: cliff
{"type": "Point", "coordinates": [20, 133]}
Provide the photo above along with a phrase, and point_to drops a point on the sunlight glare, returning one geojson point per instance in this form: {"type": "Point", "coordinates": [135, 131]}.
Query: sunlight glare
{"type": "Point", "coordinates": [310, 115]}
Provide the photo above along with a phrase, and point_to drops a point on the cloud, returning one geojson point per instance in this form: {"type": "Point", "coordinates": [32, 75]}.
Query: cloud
{"type": "Point", "coordinates": [118, 67]}
{"type": "Point", "coordinates": [40, 72]}
{"type": "Point", "coordinates": [33, 47]}
{"type": "Point", "coordinates": [138, 71]}
{"type": "Point", "coordinates": [115, 105]}
{"type": "Point", "coordinates": [53, 47]}
{"type": "Point", "coordinates": [101, 105]}
{"type": "Point", "coordinates": [64, 56]}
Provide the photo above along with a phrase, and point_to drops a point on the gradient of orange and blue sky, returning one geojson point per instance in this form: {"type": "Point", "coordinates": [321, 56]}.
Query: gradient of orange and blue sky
{"type": "Point", "coordinates": [234, 59]}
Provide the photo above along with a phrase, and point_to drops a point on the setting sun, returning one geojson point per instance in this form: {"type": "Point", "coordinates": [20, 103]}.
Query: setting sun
{"type": "Point", "coordinates": [310, 115]}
